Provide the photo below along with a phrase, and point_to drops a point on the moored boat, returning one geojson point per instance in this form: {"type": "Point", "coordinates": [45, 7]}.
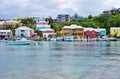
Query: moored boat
{"type": "Point", "coordinates": [69, 38]}
{"type": "Point", "coordinates": [21, 41]}
{"type": "Point", "coordinates": [112, 39]}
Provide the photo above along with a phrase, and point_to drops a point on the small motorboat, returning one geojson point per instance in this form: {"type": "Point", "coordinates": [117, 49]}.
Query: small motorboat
{"type": "Point", "coordinates": [69, 38]}
{"type": "Point", "coordinates": [112, 39]}
{"type": "Point", "coordinates": [22, 41]}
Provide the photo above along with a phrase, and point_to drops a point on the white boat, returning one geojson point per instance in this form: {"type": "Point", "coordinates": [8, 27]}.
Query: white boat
{"type": "Point", "coordinates": [112, 39]}
{"type": "Point", "coordinates": [69, 38]}
{"type": "Point", "coordinates": [59, 38]}
{"type": "Point", "coordinates": [21, 41]}
{"type": "Point", "coordinates": [103, 39]}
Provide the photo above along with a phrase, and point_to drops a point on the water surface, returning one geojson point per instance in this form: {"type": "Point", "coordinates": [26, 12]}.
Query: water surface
{"type": "Point", "coordinates": [60, 60]}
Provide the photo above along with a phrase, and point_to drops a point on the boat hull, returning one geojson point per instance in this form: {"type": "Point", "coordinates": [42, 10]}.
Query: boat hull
{"type": "Point", "coordinates": [19, 43]}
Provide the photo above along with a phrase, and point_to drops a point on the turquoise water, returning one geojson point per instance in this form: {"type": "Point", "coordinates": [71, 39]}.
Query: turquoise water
{"type": "Point", "coordinates": [60, 60]}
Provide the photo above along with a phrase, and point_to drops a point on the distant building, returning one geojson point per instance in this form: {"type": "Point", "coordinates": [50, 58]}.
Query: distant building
{"type": "Point", "coordinates": [36, 18]}
{"type": "Point", "coordinates": [63, 18]}
{"type": "Point", "coordinates": [24, 31]}
{"type": "Point", "coordinates": [44, 28]}
{"type": "Point", "coordinates": [5, 34]}
{"type": "Point", "coordinates": [113, 10]}
{"type": "Point", "coordinates": [78, 18]}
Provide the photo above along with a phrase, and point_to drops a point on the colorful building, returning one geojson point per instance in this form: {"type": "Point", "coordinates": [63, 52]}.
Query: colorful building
{"type": "Point", "coordinates": [89, 33]}
{"type": "Point", "coordinates": [44, 28]}
{"type": "Point", "coordinates": [74, 30]}
{"type": "Point", "coordinates": [94, 33]}
{"type": "Point", "coordinates": [115, 32]}
{"type": "Point", "coordinates": [103, 32]}
{"type": "Point", "coordinates": [24, 31]}
{"type": "Point", "coordinates": [4, 24]}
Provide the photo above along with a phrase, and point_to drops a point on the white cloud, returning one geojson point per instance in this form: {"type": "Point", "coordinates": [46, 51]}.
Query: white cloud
{"type": "Point", "coordinates": [45, 8]}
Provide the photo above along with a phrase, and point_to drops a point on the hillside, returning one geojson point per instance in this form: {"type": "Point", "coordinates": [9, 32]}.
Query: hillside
{"type": "Point", "coordinates": [101, 21]}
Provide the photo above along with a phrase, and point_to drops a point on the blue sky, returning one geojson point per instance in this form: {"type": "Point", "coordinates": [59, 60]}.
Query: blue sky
{"type": "Point", "coordinates": [46, 8]}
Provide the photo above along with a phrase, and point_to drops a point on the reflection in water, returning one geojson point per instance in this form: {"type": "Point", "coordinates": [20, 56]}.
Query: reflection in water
{"type": "Point", "coordinates": [61, 60]}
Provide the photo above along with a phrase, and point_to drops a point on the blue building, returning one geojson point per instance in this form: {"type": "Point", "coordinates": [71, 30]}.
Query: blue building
{"type": "Point", "coordinates": [36, 19]}
{"type": "Point", "coordinates": [103, 32]}
{"type": "Point", "coordinates": [78, 18]}
{"type": "Point", "coordinates": [63, 18]}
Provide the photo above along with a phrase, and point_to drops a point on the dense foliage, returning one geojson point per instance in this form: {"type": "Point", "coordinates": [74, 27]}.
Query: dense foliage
{"type": "Point", "coordinates": [101, 21]}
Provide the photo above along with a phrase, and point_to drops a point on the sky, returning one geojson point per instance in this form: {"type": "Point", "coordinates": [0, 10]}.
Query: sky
{"type": "Point", "coordinates": [45, 8]}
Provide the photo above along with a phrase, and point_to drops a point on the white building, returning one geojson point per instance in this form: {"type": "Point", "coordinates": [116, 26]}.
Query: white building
{"type": "Point", "coordinates": [43, 27]}
{"type": "Point", "coordinates": [24, 31]}
{"type": "Point", "coordinates": [5, 34]}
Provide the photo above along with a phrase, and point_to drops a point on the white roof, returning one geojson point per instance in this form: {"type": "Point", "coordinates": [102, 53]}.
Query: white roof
{"type": "Point", "coordinates": [66, 27]}
{"type": "Point", "coordinates": [46, 30]}
{"type": "Point", "coordinates": [97, 30]}
{"type": "Point", "coordinates": [23, 28]}
{"type": "Point", "coordinates": [103, 29]}
{"type": "Point", "coordinates": [73, 26]}
{"type": "Point", "coordinates": [5, 31]}
{"type": "Point", "coordinates": [42, 25]}
{"type": "Point", "coordinates": [115, 28]}
{"type": "Point", "coordinates": [90, 29]}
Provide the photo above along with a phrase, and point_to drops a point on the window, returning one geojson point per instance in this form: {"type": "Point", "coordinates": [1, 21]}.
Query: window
{"type": "Point", "coordinates": [22, 30]}
{"type": "Point", "coordinates": [1, 32]}
{"type": "Point", "coordinates": [8, 33]}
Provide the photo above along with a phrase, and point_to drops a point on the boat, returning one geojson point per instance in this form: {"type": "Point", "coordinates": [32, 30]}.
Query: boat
{"type": "Point", "coordinates": [22, 41]}
{"type": "Point", "coordinates": [103, 39]}
{"type": "Point", "coordinates": [69, 38]}
{"type": "Point", "coordinates": [112, 39]}
{"type": "Point", "coordinates": [59, 38]}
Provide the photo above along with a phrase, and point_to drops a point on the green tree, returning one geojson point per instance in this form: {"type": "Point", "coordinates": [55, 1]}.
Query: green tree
{"type": "Point", "coordinates": [50, 20]}
{"type": "Point", "coordinates": [90, 16]}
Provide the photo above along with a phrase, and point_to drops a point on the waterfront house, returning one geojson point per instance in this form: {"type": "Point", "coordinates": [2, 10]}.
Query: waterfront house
{"type": "Point", "coordinates": [24, 31]}
{"type": "Point", "coordinates": [103, 32]}
{"type": "Point", "coordinates": [5, 34]}
{"type": "Point", "coordinates": [4, 24]}
{"type": "Point", "coordinates": [89, 33]}
{"type": "Point", "coordinates": [115, 31]}
{"type": "Point", "coordinates": [74, 30]}
{"type": "Point", "coordinates": [44, 28]}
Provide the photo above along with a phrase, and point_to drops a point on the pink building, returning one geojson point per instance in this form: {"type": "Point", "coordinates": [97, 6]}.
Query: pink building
{"type": "Point", "coordinates": [43, 27]}
{"type": "Point", "coordinates": [89, 33]}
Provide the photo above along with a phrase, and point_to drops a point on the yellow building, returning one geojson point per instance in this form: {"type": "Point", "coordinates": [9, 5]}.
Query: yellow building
{"type": "Point", "coordinates": [74, 30]}
{"type": "Point", "coordinates": [4, 24]}
{"type": "Point", "coordinates": [115, 32]}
